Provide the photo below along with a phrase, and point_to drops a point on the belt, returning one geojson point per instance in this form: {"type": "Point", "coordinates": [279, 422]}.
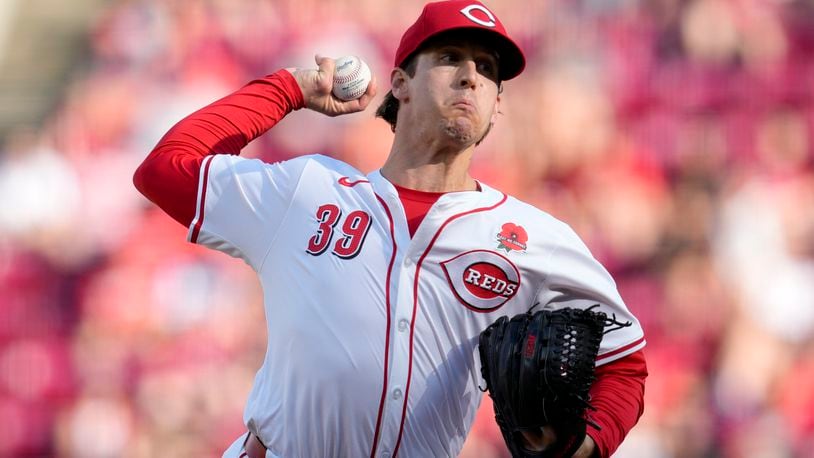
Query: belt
{"type": "Point", "coordinates": [253, 447]}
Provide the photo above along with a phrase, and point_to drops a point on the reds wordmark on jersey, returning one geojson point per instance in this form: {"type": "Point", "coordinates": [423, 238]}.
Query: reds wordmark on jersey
{"type": "Point", "coordinates": [370, 330]}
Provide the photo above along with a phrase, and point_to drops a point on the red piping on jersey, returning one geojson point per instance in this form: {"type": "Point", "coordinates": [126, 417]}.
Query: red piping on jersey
{"type": "Point", "coordinates": [387, 335]}
{"type": "Point", "coordinates": [197, 228]}
{"type": "Point", "coordinates": [619, 350]}
{"type": "Point", "coordinates": [415, 307]}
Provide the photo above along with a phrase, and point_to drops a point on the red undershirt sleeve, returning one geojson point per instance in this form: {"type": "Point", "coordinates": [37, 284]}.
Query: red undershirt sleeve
{"type": "Point", "coordinates": [169, 175]}
{"type": "Point", "coordinates": [618, 395]}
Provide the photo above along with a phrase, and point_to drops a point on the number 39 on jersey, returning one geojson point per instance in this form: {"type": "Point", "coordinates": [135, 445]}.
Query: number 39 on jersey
{"type": "Point", "coordinates": [353, 230]}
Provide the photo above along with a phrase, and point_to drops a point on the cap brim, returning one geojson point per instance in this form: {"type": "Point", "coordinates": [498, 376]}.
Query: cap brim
{"type": "Point", "coordinates": [511, 60]}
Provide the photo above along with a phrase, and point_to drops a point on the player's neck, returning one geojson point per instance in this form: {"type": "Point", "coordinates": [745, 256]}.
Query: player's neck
{"type": "Point", "coordinates": [426, 167]}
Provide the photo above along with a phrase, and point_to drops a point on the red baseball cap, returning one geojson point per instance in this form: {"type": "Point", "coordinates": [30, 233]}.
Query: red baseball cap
{"type": "Point", "coordinates": [444, 16]}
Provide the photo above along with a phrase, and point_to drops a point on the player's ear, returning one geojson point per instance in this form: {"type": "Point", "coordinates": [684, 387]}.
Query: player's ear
{"type": "Point", "coordinates": [398, 84]}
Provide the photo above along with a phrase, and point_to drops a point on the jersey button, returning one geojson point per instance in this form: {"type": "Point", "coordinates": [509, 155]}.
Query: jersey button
{"type": "Point", "coordinates": [403, 324]}
{"type": "Point", "coordinates": [397, 394]}
{"type": "Point", "coordinates": [385, 455]}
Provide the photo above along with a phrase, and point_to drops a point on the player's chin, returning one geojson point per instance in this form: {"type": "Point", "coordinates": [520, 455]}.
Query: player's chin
{"type": "Point", "coordinates": [463, 130]}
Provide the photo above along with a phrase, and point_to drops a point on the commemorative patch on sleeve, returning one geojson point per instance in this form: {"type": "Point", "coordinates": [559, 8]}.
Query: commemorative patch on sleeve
{"type": "Point", "coordinates": [512, 238]}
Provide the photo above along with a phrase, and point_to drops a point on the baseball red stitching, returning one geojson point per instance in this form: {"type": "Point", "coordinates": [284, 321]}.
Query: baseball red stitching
{"type": "Point", "coordinates": [350, 76]}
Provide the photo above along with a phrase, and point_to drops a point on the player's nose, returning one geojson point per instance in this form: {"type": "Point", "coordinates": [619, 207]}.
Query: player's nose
{"type": "Point", "coordinates": [467, 74]}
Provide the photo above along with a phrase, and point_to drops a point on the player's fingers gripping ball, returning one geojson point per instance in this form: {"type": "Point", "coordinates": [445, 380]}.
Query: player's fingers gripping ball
{"type": "Point", "coordinates": [351, 78]}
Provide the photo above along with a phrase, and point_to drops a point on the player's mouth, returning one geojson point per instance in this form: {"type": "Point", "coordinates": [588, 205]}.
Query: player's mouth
{"type": "Point", "coordinates": [464, 104]}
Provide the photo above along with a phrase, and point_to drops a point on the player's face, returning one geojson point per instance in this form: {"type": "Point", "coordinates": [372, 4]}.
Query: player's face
{"type": "Point", "coordinates": [454, 92]}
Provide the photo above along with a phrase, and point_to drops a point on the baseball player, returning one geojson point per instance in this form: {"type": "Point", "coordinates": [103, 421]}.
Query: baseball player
{"type": "Point", "coordinates": [377, 286]}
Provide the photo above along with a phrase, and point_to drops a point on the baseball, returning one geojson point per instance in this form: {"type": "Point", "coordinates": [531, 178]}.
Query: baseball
{"type": "Point", "coordinates": [351, 77]}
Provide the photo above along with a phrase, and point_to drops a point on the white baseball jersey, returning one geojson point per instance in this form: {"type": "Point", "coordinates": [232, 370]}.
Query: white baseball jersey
{"type": "Point", "coordinates": [373, 334]}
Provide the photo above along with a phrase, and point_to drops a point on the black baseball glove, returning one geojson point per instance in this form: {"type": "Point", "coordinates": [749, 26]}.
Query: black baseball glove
{"type": "Point", "coordinates": [538, 370]}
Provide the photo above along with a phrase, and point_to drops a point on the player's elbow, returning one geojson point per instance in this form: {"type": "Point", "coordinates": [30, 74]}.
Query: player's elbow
{"type": "Point", "coordinates": [143, 178]}
{"type": "Point", "coordinates": [170, 181]}
{"type": "Point", "coordinates": [139, 180]}
{"type": "Point", "coordinates": [153, 179]}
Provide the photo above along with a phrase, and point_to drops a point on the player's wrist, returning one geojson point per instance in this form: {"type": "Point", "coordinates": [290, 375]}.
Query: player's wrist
{"type": "Point", "coordinates": [293, 89]}
{"type": "Point", "coordinates": [307, 82]}
{"type": "Point", "coordinates": [587, 449]}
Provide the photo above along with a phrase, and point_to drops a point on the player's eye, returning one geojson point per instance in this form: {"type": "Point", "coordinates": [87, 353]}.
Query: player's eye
{"type": "Point", "coordinates": [448, 57]}
{"type": "Point", "coordinates": [486, 67]}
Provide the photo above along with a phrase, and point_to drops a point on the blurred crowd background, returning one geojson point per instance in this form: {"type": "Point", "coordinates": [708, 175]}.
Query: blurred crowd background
{"type": "Point", "coordinates": [675, 136]}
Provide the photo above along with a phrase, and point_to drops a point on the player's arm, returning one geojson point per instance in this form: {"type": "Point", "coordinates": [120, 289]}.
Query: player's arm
{"type": "Point", "coordinates": [169, 174]}
{"type": "Point", "coordinates": [576, 279]}
{"type": "Point", "coordinates": [618, 395]}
